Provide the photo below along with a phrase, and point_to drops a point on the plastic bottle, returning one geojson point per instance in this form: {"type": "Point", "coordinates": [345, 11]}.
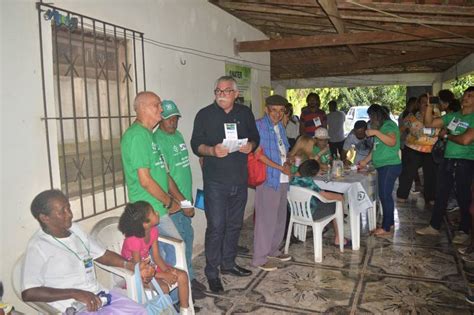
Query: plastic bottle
{"type": "Point", "coordinates": [328, 178]}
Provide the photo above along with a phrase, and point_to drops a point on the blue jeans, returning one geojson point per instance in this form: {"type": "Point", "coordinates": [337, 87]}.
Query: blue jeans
{"type": "Point", "coordinates": [225, 207]}
{"type": "Point", "coordinates": [387, 175]}
{"type": "Point", "coordinates": [185, 229]}
{"type": "Point", "coordinates": [166, 227]}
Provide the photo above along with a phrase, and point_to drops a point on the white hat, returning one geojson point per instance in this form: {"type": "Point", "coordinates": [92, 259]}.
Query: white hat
{"type": "Point", "coordinates": [321, 133]}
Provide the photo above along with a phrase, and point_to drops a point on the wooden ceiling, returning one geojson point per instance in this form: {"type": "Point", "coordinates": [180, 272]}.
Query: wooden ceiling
{"type": "Point", "coordinates": [319, 38]}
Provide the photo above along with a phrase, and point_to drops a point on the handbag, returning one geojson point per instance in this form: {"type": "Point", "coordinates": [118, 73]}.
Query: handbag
{"type": "Point", "coordinates": [438, 151]}
{"type": "Point", "coordinates": [257, 170]}
{"type": "Point", "coordinates": [160, 303]}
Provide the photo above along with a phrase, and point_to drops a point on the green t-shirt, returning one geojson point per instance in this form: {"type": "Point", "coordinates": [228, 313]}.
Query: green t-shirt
{"type": "Point", "coordinates": [382, 154]}
{"type": "Point", "coordinates": [139, 150]}
{"type": "Point", "coordinates": [457, 124]}
{"type": "Point", "coordinates": [325, 158]}
{"type": "Point", "coordinates": [176, 156]}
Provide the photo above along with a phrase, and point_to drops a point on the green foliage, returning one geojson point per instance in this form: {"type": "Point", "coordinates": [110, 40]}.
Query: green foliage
{"type": "Point", "coordinates": [391, 96]}
{"type": "Point", "coordinates": [458, 86]}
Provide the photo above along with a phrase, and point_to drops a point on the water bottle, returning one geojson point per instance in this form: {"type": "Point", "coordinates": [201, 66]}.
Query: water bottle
{"type": "Point", "coordinates": [328, 178]}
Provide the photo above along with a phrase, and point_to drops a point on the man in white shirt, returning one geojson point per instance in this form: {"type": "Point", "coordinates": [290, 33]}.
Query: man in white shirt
{"type": "Point", "coordinates": [359, 141]}
{"type": "Point", "coordinates": [58, 267]}
{"type": "Point", "coordinates": [335, 128]}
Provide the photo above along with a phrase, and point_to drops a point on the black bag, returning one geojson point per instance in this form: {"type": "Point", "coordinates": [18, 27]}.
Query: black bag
{"type": "Point", "coordinates": [438, 151]}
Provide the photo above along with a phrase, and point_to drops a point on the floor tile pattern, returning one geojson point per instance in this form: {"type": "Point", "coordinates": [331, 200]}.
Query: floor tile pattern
{"type": "Point", "coordinates": [403, 274]}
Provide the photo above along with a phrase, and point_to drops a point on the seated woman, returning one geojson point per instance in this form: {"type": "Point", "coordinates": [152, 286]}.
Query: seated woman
{"type": "Point", "coordinates": [304, 178]}
{"type": "Point", "coordinates": [58, 267]}
{"type": "Point", "coordinates": [139, 225]}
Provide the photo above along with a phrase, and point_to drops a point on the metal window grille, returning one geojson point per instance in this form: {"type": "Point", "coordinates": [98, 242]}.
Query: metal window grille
{"type": "Point", "coordinates": [96, 69]}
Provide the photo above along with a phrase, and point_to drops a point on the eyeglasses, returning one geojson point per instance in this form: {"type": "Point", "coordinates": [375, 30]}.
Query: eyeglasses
{"type": "Point", "coordinates": [226, 92]}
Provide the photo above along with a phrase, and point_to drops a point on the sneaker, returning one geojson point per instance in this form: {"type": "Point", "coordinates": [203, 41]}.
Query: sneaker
{"type": "Point", "coordinates": [196, 285]}
{"type": "Point", "coordinates": [268, 266]}
{"type": "Point", "coordinates": [470, 299]}
{"type": "Point", "coordinates": [468, 258]}
{"type": "Point", "coordinates": [429, 230]}
{"type": "Point", "coordinates": [281, 257]}
{"type": "Point", "coordinates": [452, 209]}
{"type": "Point", "coordinates": [460, 238]}
{"type": "Point", "coordinates": [465, 250]}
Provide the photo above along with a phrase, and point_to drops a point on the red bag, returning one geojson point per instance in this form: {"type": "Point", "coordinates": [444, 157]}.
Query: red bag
{"type": "Point", "coordinates": [257, 170]}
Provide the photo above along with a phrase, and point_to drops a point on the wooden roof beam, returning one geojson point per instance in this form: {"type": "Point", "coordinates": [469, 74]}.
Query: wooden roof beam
{"type": "Point", "coordinates": [403, 34]}
{"type": "Point", "coordinates": [396, 60]}
{"type": "Point", "coordinates": [329, 7]}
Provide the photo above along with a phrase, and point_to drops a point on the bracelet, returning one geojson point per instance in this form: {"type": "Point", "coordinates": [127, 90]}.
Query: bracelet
{"type": "Point", "coordinates": [170, 203]}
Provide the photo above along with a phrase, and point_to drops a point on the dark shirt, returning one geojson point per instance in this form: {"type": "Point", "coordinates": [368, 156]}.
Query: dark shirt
{"type": "Point", "coordinates": [209, 130]}
{"type": "Point", "coordinates": [307, 119]}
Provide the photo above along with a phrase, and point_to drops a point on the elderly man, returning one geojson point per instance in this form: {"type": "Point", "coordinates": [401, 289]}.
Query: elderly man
{"type": "Point", "coordinates": [270, 197]}
{"type": "Point", "coordinates": [144, 166]}
{"type": "Point", "coordinates": [58, 266]}
{"type": "Point", "coordinates": [176, 156]}
{"type": "Point", "coordinates": [224, 176]}
{"type": "Point", "coordinates": [311, 116]}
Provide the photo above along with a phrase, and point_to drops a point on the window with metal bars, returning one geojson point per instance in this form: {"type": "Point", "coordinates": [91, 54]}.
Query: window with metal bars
{"type": "Point", "coordinates": [96, 69]}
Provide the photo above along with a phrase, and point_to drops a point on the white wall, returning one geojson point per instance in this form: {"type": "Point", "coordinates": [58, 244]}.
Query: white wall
{"type": "Point", "coordinates": [24, 171]}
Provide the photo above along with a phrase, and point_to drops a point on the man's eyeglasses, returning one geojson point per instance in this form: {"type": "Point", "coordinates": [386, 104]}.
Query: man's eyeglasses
{"type": "Point", "coordinates": [226, 92]}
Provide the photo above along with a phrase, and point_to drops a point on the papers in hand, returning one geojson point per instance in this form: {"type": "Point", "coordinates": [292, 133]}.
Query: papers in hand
{"type": "Point", "coordinates": [186, 204]}
{"type": "Point", "coordinates": [234, 144]}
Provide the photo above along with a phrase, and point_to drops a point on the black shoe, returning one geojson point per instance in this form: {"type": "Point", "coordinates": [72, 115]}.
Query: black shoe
{"type": "Point", "coordinates": [237, 271]}
{"type": "Point", "coordinates": [197, 309]}
{"type": "Point", "coordinates": [242, 249]}
{"type": "Point", "coordinates": [196, 285]}
{"type": "Point", "coordinates": [215, 285]}
{"type": "Point", "coordinates": [197, 294]}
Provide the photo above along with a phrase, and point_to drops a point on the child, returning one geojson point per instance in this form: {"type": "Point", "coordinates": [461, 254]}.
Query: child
{"type": "Point", "coordinates": [321, 151]}
{"type": "Point", "coordinates": [304, 178]}
{"type": "Point", "coordinates": [301, 151]}
{"type": "Point", "coordinates": [138, 224]}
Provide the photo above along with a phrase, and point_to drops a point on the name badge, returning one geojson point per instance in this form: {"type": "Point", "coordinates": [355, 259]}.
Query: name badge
{"type": "Point", "coordinates": [317, 121]}
{"type": "Point", "coordinates": [453, 124]}
{"type": "Point", "coordinates": [429, 131]}
{"type": "Point", "coordinates": [231, 131]}
{"type": "Point", "coordinates": [89, 270]}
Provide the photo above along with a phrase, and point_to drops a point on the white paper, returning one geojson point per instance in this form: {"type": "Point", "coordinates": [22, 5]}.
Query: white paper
{"type": "Point", "coordinates": [234, 144]}
{"type": "Point", "coordinates": [186, 204]}
{"type": "Point", "coordinates": [231, 131]}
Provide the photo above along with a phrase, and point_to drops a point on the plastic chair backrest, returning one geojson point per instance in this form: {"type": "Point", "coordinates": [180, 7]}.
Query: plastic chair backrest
{"type": "Point", "coordinates": [299, 199]}
{"type": "Point", "coordinates": [106, 232]}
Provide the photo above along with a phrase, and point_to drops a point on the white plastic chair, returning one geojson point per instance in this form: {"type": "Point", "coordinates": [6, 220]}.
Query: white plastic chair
{"type": "Point", "coordinates": [300, 199]}
{"type": "Point", "coordinates": [107, 233]}
{"type": "Point", "coordinates": [45, 308]}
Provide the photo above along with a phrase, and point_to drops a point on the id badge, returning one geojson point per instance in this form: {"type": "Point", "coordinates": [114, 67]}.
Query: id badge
{"type": "Point", "coordinates": [317, 122]}
{"type": "Point", "coordinates": [453, 124]}
{"type": "Point", "coordinates": [89, 270]}
{"type": "Point", "coordinates": [429, 131]}
{"type": "Point", "coordinates": [231, 131]}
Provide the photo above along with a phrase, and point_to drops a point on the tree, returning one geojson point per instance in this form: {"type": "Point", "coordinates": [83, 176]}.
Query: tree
{"type": "Point", "coordinates": [459, 85]}
{"type": "Point", "coordinates": [392, 96]}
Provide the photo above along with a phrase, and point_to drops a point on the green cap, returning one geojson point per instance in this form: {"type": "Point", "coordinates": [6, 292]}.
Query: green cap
{"type": "Point", "coordinates": [169, 109]}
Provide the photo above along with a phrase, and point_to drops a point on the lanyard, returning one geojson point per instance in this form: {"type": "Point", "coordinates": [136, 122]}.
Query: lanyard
{"type": "Point", "coordinates": [75, 254]}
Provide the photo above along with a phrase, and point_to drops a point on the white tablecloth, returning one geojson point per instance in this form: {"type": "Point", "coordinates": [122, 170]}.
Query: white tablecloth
{"type": "Point", "coordinates": [360, 191]}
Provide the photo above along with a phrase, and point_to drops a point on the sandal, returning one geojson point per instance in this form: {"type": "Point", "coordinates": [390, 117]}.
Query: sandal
{"type": "Point", "coordinates": [347, 243]}
{"type": "Point", "coordinates": [380, 232]}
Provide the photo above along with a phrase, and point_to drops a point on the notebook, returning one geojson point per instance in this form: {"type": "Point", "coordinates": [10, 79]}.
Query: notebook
{"type": "Point", "coordinates": [199, 200]}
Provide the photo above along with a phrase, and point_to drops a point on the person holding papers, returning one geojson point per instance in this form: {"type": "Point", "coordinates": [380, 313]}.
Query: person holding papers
{"type": "Point", "coordinates": [224, 176]}
{"type": "Point", "coordinates": [270, 197]}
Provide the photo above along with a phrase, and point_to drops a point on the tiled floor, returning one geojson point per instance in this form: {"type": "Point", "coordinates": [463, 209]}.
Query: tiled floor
{"type": "Point", "coordinates": [406, 274]}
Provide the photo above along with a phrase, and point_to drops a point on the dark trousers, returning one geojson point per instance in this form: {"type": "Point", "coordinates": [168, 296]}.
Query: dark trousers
{"type": "Point", "coordinates": [386, 176]}
{"type": "Point", "coordinates": [458, 173]}
{"type": "Point", "coordinates": [336, 147]}
{"type": "Point", "coordinates": [411, 161]}
{"type": "Point", "coordinates": [225, 207]}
